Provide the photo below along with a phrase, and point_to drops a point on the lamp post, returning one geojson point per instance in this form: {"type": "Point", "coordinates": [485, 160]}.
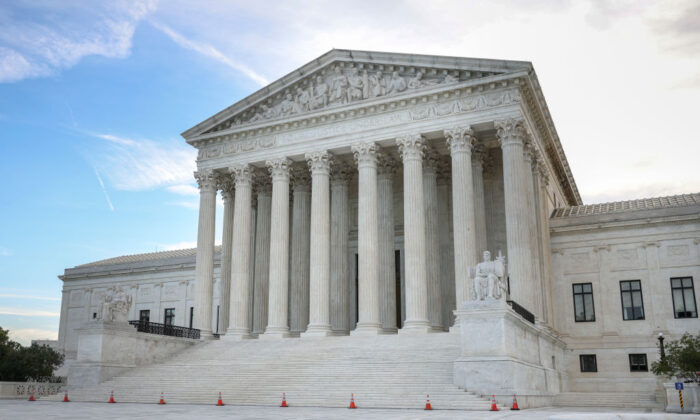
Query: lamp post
{"type": "Point", "coordinates": [661, 346]}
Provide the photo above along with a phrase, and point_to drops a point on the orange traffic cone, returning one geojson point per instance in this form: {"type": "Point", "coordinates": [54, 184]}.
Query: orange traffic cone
{"type": "Point", "coordinates": [515, 404]}
{"type": "Point", "coordinates": [284, 400]}
{"type": "Point", "coordinates": [31, 396]}
{"type": "Point", "coordinates": [352, 401]}
{"type": "Point", "coordinates": [111, 398]}
{"type": "Point", "coordinates": [65, 397]}
{"type": "Point", "coordinates": [494, 407]}
{"type": "Point", "coordinates": [427, 404]}
{"type": "Point", "coordinates": [162, 400]}
{"type": "Point", "coordinates": [219, 402]}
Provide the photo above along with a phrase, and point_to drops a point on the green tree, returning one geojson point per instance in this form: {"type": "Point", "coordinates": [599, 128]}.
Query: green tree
{"type": "Point", "coordinates": [18, 363]}
{"type": "Point", "coordinates": [682, 359]}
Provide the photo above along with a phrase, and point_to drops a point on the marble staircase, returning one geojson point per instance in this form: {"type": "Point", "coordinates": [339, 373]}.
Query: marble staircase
{"type": "Point", "coordinates": [389, 371]}
{"type": "Point", "coordinates": [607, 399]}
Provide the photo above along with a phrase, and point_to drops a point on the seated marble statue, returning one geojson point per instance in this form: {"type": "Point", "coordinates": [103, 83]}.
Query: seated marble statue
{"type": "Point", "coordinates": [489, 278]}
{"type": "Point", "coordinates": [116, 306]}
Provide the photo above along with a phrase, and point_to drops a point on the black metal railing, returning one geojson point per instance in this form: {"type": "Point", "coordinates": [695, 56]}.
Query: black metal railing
{"type": "Point", "coordinates": [163, 329]}
{"type": "Point", "coordinates": [521, 311]}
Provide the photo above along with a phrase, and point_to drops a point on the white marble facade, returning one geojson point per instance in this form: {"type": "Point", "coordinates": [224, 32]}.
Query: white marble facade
{"type": "Point", "coordinates": [359, 191]}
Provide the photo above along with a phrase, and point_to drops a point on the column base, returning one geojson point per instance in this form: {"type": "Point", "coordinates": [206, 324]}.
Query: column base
{"type": "Point", "coordinates": [416, 327]}
{"type": "Point", "coordinates": [367, 328]}
{"type": "Point", "coordinates": [237, 335]}
{"type": "Point", "coordinates": [455, 329]}
{"type": "Point", "coordinates": [390, 330]}
{"type": "Point", "coordinates": [206, 335]}
{"type": "Point", "coordinates": [275, 333]}
{"type": "Point", "coordinates": [340, 333]}
{"type": "Point", "coordinates": [321, 330]}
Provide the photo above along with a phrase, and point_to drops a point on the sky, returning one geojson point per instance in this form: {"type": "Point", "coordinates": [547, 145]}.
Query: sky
{"type": "Point", "coordinates": [93, 96]}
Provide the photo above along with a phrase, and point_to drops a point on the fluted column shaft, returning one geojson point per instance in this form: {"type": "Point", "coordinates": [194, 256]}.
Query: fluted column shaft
{"type": "Point", "coordinates": [320, 256]}
{"type": "Point", "coordinates": [277, 320]}
{"type": "Point", "coordinates": [204, 260]}
{"type": "Point", "coordinates": [240, 278]}
{"type": "Point", "coordinates": [535, 268]}
{"type": "Point", "coordinates": [299, 280]}
{"type": "Point", "coordinates": [367, 240]}
{"type": "Point", "coordinates": [447, 274]}
{"type": "Point", "coordinates": [411, 149]}
{"type": "Point", "coordinates": [226, 185]}
{"type": "Point", "coordinates": [432, 242]}
{"type": "Point", "coordinates": [541, 181]}
{"type": "Point", "coordinates": [461, 140]}
{"type": "Point", "coordinates": [340, 226]}
{"type": "Point", "coordinates": [387, 263]}
{"type": "Point", "coordinates": [479, 202]}
{"type": "Point", "coordinates": [262, 257]}
{"type": "Point", "coordinates": [511, 134]}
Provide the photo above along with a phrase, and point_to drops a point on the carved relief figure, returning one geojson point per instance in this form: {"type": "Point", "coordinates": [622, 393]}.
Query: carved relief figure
{"type": "Point", "coordinates": [288, 106]}
{"type": "Point", "coordinates": [339, 87]}
{"type": "Point", "coordinates": [355, 86]}
{"type": "Point", "coordinates": [303, 99]}
{"type": "Point", "coordinates": [115, 307]}
{"type": "Point", "coordinates": [450, 79]}
{"type": "Point", "coordinates": [396, 84]}
{"type": "Point", "coordinates": [489, 278]}
{"type": "Point", "coordinates": [320, 94]}
{"type": "Point", "coordinates": [378, 85]}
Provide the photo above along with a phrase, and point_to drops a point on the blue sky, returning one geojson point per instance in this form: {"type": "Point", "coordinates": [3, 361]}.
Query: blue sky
{"type": "Point", "coordinates": [93, 96]}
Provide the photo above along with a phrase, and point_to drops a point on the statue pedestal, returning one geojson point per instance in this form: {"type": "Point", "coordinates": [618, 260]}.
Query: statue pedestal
{"type": "Point", "coordinates": [106, 349]}
{"type": "Point", "coordinates": [502, 354]}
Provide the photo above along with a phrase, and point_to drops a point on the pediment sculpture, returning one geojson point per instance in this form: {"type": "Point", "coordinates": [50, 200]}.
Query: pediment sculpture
{"type": "Point", "coordinates": [115, 306]}
{"type": "Point", "coordinates": [341, 86]}
{"type": "Point", "coordinates": [489, 278]}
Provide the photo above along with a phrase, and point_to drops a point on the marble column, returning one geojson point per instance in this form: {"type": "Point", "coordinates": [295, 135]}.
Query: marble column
{"type": "Point", "coordinates": [542, 180]}
{"type": "Point", "coordinates": [262, 254]}
{"type": "Point", "coordinates": [204, 262]}
{"type": "Point", "coordinates": [447, 268]}
{"type": "Point", "coordinates": [320, 255]}
{"type": "Point", "coordinates": [432, 243]}
{"type": "Point", "coordinates": [479, 202]}
{"type": "Point", "coordinates": [251, 264]}
{"type": "Point", "coordinates": [299, 270]}
{"type": "Point", "coordinates": [367, 240]}
{"type": "Point", "coordinates": [387, 265]}
{"type": "Point", "coordinates": [511, 135]}
{"type": "Point", "coordinates": [535, 269]}
{"type": "Point", "coordinates": [226, 185]}
{"type": "Point", "coordinates": [240, 276]}
{"type": "Point", "coordinates": [460, 141]}
{"type": "Point", "coordinates": [277, 320]}
{"type": "Point", "coordinates": [411, 150]}
{"type": "Point", "coordinates": [340, 226]}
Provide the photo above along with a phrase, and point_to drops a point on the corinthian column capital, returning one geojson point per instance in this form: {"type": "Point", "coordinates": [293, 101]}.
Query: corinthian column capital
{"type": "Point", "coordinates": [411, 147]}
{"type": "Point", "coordinates": [279, 169]}
{"type": "Point", "coordinates": [386, 165]}
{"type": "Point", "coordinates": [341, 172]}
{"type": "Point", "coordinates": [460, 139]}
{"type": "Point", "coordinates": [206, 180]}
{"type": "Point", "coordinates": [225, 183]}
{"type": "Point", "coordinates": [243, 175]}
{"type": "Point", "coordinates": [510, 131]}
{"type": "Point", "coordinates": [430, 160]}
{"type": "Point", "coordinates": [365, 153]}
{"type": "Point", "coordinates": [319, 162]}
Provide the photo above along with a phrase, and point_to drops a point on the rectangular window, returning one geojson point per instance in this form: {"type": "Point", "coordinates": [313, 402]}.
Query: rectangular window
{"type": "Point", "coordinates": [632, 303]}
{"type": "Point", "coordinates": [584, 311]}
{"type": "Point", "coordinates": [638, 363]}
{"type": "Point", "coordinates": [144, 315]}
{"type": "Point", "coordinates": [169, 317]}
{"type": "Point", "coordinates": [588, 363]}
{"type": "Point", "coordinates": [683, 294]}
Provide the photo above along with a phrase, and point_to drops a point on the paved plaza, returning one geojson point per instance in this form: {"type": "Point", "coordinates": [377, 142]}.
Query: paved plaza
{"type": "Point", "coordinates": [15, 410]}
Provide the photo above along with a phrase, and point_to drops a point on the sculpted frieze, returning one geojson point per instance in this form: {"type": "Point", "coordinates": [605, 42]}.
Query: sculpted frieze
{"type": "Point", "coordinates": [341, 86]}
{"type": "Point", "coordinates": [469, 104]}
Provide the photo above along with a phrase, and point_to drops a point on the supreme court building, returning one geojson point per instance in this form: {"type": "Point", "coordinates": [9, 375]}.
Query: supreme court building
{"type": "Point", "coordinates": [359, 194]}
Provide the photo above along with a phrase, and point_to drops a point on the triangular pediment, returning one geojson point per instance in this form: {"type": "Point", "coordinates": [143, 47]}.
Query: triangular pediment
{"type": "Point", "coordinates": [344, 77]}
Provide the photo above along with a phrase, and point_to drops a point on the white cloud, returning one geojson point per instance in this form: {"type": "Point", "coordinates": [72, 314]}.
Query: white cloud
{"type": "Point", "coordinates": [135, 165]}
{"type": "Point", "coordinates": [179, 245]}
{"type": "Point", "coordinates": [211, 52]}
{"type": "Point", "coordinates": [183, 189]}
{"type": "Point", "coordinates": [24, 336]}
{"type": "Point", "coordinates": [104, 190]}
{"type": "Point", "coordinates": [27, 312]}
{"type": "Point", "coordinates": [42, 38]}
